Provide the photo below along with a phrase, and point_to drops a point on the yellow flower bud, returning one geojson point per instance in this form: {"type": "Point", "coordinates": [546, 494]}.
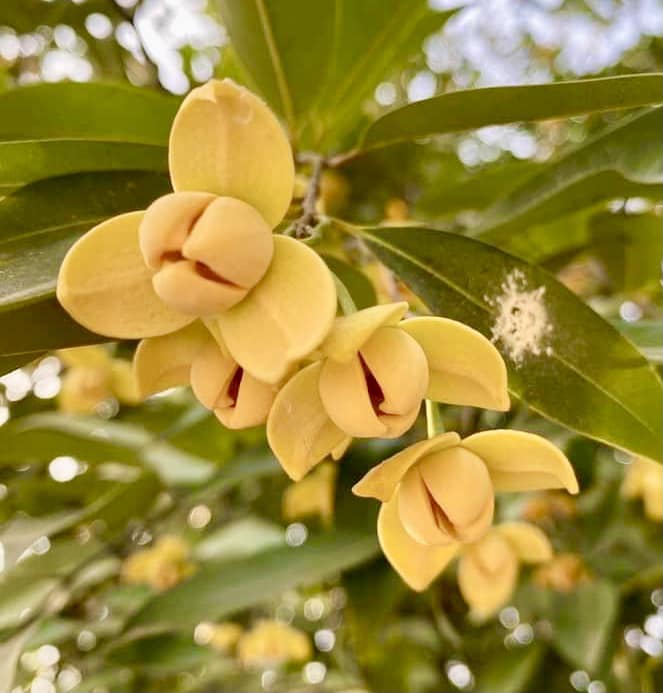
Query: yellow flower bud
{"type": "Point", "coordinates": [237, 398]}
{"type": "Point", "coordinates": [313, 495]}
{"type": "Point", "coordinates": [222, 637]}
{"type": "Point", "coordinates": [207, 252]}
{"type": "Point", "coordinates": [379, 391]}
{"type": "Point", "coordinates": [161, 566]}
{"type": "Point", "coordinates": [487, 574]}
{"type": "Point", "coordinates": [270, 643]}
{"type": "Point", "coordinates": [447, 496]}
{"type": "Point", "coordinates": [83, 390]}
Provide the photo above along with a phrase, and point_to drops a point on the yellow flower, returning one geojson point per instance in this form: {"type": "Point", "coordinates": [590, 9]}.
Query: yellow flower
{"type": "Point", "coordinates": [549, 506]}
{"type": "Point", "coordinates": [313, 495]}
{"type": "Point", "coordinates": [563, 573]}
{"type": "Point", "coordinates": [222, 637]}
{"type": "Point", "coordinates": [93, 377]}
{"type": "Point", "coordinates": [644, 479]}
{"type": "Point", "coordinates": [206, 251]}
{"type": "Point", "coordinates": [488, 569]}
{"type": "Point", "coordinates": [439, 494]}
{"type": "Point", "coordinates": [374, 370]}
{"type": "Point", "coordinates": [270, 643]}
{"type": "Point", "coordinates": [161, 566]}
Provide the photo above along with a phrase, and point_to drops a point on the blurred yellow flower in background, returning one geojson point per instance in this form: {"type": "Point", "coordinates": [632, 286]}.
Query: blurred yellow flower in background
{"type": "Point", "coordinates": [222, 637]}
{"type": "Point", "coordinates": [563, 573]}
{"type": "Point", "coordinates": [271, 643]}
{"type": "Point", "coordinates": [313, 495]}
{"type": "Point", "coordinates": [93, 376]}
{"type": "Point", "coordinates": [161, 566]}
{"type": "Point", "coordinates": [644, 479]}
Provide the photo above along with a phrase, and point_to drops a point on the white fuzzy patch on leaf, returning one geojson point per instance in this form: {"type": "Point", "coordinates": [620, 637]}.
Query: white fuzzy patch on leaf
{"type": "Point", "coordinates": [522, 325]}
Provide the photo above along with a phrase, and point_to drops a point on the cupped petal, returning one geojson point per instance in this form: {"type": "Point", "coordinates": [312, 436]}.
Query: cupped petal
{"type": "Point", "coordinates": [299, 431]}
{"type": "Point", "coordinates": [399, 424]}
{"type": "Point", "coordinates": [417, 564]}
{"type": "Point", "coordinates": [465, 367]}
{"type": "Point", "coordinates": [254, 400]}
{"type": "Point", "coordinates": [345, 397]}
{"type": "Point", "coordinates": [530, 544]}
{"type": "Point", "coordinates": [212, 372]}
{"type": "Point", "coordinates": [399, 366]}
{"type": "Point", "coordinates": [163, 362]}
{"type": "Point", "coordinates": [226, 141]}
{"type": "Point", "coordinates": [487, 576]}
{"type": "Point", "coordinates": [417, 513]}
{"type": "Point", "coordinates": [382, 480]}
{"type": "Point", "coordinates": [519, 461]}
{"type": "Point", "coordinates": [351, 332]}
{"type": "Point", "coordinates": [285, 317]}
{"type": "Point", "coordinates": [460, 491]}
{"type": "Point", "coordinates": [105, 285]}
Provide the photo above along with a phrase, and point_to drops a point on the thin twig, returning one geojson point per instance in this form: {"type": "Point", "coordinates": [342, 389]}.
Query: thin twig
{"type": "Point", "coordinates": [303, 225]}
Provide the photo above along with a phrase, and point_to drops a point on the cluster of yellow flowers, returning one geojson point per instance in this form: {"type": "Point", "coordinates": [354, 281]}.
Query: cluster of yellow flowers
{"type": "Point", "coordinates": [248, 319]}
{"type": "Point", "coordinates": [161, 566]}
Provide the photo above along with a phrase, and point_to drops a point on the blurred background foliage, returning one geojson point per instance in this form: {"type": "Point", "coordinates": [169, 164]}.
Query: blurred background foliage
{"type": "Point", "coordinates": [142, 547]}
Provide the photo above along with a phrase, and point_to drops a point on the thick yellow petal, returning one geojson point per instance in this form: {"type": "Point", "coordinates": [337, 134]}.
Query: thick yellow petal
{"type": "Point", "coordinates": [381, 481]}
{"type": "Point", "coordinates": [299, 431]}
{"type": "Point", "coordinates": [519, 461]}
{"type": "Point", "coordinates": [285, 317]}
{"type": "Point", "coordinates": [487, 575]}
{"type": "Point", "coordinates": [417, 512]}
{"type": "Point", "coordinates": [345, 397]}
{"type": "Point", "coordinates": [460, 490]}
{"type": "Point", "coordinates": [351, 332]}
{"type": "Point", "coordinates": [399, 366]}
{"type": "Point", "coordinates": [254, 400]}
{"type": "Point", "coordinates": [163, 362]}
{"type": "Point", "coordinates": [225, 140]}
{"type": "Point", "coordinates": [465, 367]}
{"type": "Point", "coordinates": [123, 382]}
{"type": "Point", "coordinates": [212, 372]}
{"type": "Point", "coordinates": [105, 285]}
{"type": "Point", "coordinates": [417, 564]}
{"type": "Point", "coordinates": [528, 541]}
{"type": "Point", "coordinates": [96, 357]}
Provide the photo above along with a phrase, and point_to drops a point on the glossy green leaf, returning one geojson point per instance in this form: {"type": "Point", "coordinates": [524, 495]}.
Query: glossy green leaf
{"type": "Point", "coordinates": [586, 376]}
{"type": "Point", "coordinates": [316, 62]}
{"type": "Point", "coordinates": [38, 223]}
{"type": "Point", "coordinates": [583, 623]}
{"type": "Point", "coordinates": [25, 16]}
{"type": "Point", "coordinates": [355, 281]}
{"type": "Point", "coordinates": [274, 41]}
{"type": "Point", "coordinates": [244, 537]}
{"type": "Point", "coordinates": [475, 108]}
{"type": "Point", "coordinates": [625, 161]}
{"type": "Point", "coordinates": [23, 162]}
{"type": "Point", "coordinates": [218, 590]}
{"type": "Point", "coordinates": [111, 112]}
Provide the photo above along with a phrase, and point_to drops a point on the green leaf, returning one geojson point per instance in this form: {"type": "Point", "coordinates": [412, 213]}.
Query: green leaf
{"type": "Point", "coordinates": [40, 436]}
{"type": "Point", "coordinates": [510, 670]}
{"type": "Point", "coordinates": [586, 376]}
{"type": "Point", "coordinates": [38, 224]}
{"type": "Point", "coordinates": [218, 590]}
{"type": "Point", "coordinates": [356, 282]}
{"type": "Point", "coordinates": [284, 45]}
{"type": "Point", "coordinates": [647, 335]}
{"type": "Point", "coordinates": [475, 108]}
{"type": "Point", "coordinates": [583, 621]}
{"type": "Point", "coordinates": [241, 538]}
{"type": "Point", "coordinates": [111, 112]}
{"type": "Point", "coordinates": [26, 161]}
{"type": "Point", "coordinates": [624, 161]}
